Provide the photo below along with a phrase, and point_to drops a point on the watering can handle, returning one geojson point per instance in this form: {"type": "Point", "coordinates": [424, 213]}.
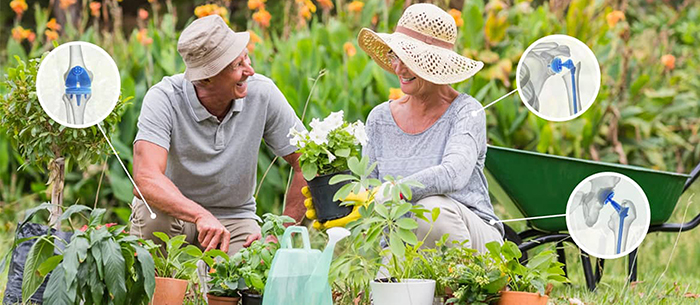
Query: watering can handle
{"type": "Point", "coordinates": [287, 237]}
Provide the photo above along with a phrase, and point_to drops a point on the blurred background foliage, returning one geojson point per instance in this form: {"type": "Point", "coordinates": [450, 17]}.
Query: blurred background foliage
{"type": "Point", "coordinates": [646, 113]}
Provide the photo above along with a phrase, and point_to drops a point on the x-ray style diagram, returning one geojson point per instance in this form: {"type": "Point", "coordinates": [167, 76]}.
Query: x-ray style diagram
{"type": "Point", "coordinates": [558, 77]}
{"type": "Point", "coordinates": [608, 215]}
{"type": "Point", "coordinates": [78, 84]}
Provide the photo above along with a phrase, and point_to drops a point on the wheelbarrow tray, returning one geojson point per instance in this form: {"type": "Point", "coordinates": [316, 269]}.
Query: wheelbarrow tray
{"type": "Point", "coordinates": [540, 184]}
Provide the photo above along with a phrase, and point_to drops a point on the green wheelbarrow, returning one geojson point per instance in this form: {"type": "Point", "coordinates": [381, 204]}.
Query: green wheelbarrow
{"type": "Point", "coordinates": [540, 185]}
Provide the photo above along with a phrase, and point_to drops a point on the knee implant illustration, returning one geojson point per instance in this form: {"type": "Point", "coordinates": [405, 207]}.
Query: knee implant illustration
{"type": "Point", "coordinates": [545, 60]}
{"type": "Point", "coordinates": [78, 83]}
{"type": "Point", "coordinates": [601, 195]}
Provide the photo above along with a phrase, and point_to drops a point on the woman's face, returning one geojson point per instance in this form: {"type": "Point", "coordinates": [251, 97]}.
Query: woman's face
{"type": "Point", "coordinates": [411, 84]}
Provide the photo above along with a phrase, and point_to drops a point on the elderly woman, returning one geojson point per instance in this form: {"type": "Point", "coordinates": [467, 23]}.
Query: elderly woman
{"type": "Point", "coordinates": [434, 134]}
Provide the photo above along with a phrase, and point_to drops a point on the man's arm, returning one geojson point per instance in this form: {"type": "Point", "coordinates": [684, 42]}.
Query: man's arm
{"type": "Point", "coordinates": [150, 161]}
{"type": "Point", "coordinates": [295, 200]}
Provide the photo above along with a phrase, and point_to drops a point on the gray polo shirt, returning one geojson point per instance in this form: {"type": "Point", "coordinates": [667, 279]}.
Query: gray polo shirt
{"type": "Point", "coordinates": [214, 163]}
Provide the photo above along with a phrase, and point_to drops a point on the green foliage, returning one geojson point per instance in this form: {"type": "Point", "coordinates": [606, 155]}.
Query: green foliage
{"type": "Point", "coordinates": [102, 264]}
{"type": "Point", "coordinates": [541, 270]}
{"type": "Point", "coordinates": [386, 221]}
{"type": "Point", "coordinates": [178, 261]}
{"type": "Point", "coordinates": [38, 138]}
{"type": "Point", "coordinates": [225, 280]}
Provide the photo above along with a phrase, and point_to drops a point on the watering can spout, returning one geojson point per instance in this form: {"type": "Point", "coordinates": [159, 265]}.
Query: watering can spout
{"type": "Point", "coordinates": [317, 287]}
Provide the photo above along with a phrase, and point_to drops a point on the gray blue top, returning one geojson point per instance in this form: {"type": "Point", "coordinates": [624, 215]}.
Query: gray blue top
{"type": "Point", "coordinates": [447, 158]}
{"type": "Point", "coordinates": [212, 162]}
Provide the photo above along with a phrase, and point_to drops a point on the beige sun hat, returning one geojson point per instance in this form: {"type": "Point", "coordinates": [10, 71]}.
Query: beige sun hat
{"type": "Point", "coordinates": [208, 45]}
{"type": "Point", "coordinates": [424, 41]}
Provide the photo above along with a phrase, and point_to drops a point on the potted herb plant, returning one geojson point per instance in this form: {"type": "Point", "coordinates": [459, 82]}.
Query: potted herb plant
{"type": "Point", "coordinates": [176, 267]}
{"type": "Point", "coordinates": [530, 284]}
{"type": "Point", "coordinates": [383, 241]}
{"type": "Point", "coordinates": [324, 152]}
{"type": "Point", "coordinates": [102, 264]}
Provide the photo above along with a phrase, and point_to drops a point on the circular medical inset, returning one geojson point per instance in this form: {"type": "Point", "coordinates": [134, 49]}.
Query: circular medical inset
{"type": "Point", "coordinates": [78, 84]}
{"type": "Point", "coordinates": [608, 215]}
{"type": "Point", "coordinates": [558, 77]}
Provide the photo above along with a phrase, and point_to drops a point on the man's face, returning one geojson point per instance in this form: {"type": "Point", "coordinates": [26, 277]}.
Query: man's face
{"type": "Point", "coordinates": [232, 79]}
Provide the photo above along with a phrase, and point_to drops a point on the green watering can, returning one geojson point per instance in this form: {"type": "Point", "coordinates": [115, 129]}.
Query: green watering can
{"type": "Point", "coordinates": [300, 275]}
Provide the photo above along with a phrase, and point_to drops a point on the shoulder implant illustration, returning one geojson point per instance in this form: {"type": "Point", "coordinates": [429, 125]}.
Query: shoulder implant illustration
{"type": "Point", "coordinates": [601, 195]}
{"type": "Point", "coordinates": [78, 82]}
{"type": "Point", "coordinates": [545, 60]}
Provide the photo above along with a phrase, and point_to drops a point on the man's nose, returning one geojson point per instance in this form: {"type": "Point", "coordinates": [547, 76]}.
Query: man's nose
{"type": "Point", "coordinates": [249, 71]}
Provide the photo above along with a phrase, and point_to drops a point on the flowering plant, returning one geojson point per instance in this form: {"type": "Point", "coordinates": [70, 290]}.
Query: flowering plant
{"type": "Point", "coordinates": [326, 148]}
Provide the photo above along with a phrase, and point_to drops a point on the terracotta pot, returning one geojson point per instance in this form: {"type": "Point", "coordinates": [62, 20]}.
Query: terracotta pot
{"type": "Point", "coordinates": [169, 291]}
{"type": "Point", "coordinates": [522, 298]}
{"type": "Point", "coordinates": [322, 194]}
{"type": "Point", "coordinates": [216, 300]}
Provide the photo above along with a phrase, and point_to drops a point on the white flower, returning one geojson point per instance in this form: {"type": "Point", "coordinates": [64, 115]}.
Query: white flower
{"type": "Point", "coordinates": [331, 157]}
{"type": "Point", "coordinates": [357, 129]}
{"type": "Point", "coordinates": [297, 138]}
{"type": "Point", "coordinates": [318, 137]}
{"type": "Point", "coordinates": [334, 120]}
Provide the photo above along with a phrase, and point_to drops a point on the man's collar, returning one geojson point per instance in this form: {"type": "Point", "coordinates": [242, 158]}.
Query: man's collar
{"type": "Point", "coordinates": [200, 112]}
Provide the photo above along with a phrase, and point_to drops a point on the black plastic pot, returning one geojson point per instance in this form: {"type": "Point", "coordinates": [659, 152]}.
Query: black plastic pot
{"type": "Point", "coordinates": [251, 298]}
{"type": "Point", "coordinates": [322, 194]}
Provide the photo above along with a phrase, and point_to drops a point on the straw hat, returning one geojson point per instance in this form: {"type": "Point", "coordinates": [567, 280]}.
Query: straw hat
{"type": "Point", "coordinates": [424, 41]}
{"type": "Point", "coordinates": [208, 45]}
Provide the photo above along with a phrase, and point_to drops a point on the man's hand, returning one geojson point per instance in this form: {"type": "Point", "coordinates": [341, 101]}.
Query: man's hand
{"type": "Point", "coordinates": [212, 232]}
{"type": "Point", "coordinates": [359, 200]}
{"type": "Point", "coordinates": [257, 236]}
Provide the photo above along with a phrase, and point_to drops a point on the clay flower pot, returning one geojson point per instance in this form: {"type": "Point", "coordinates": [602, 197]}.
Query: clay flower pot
{"type": "Point", "coordinates": [322, 194]}
{"type": "Point", "coordinates": [169, 291]}
{"type": "Point", "coordinates": [217, 300]}
{"type": "Point", "coordinates": [522, 298]}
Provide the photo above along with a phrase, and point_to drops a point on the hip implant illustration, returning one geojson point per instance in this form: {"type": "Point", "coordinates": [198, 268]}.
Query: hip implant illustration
{"type": "Point", "coordinates": [78, 82]}
{"type": "Point", "coordinates": [602, 194]}
{"type": "Point", "coordinates": [545, 60]}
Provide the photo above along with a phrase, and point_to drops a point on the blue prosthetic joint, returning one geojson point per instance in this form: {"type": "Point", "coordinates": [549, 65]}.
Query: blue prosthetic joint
{"type": "Point", "coordinates": [78, 83]}
{"type": "Point", "coordinates": [558, 66]}
{"type": "Point", "coordinates": [622, 212]}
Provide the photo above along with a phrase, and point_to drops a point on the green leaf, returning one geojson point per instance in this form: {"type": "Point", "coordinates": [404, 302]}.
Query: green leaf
{"type": "Point", "coordinates": [343, 192]}
{"type": "Point", "coordinates": [407, 223]}
{"type": "Point", "coordinates": [382, 210]}
{"type": "Point", "coordinates": [57, 291]}
{"type": "Point", "coordinates": [49, 264]}
{"type": "Point", "coordinates": [407, 236]}
{"type": "Point", "coordinates": [31, 212]}
{"type": "Point", "coordinates": [309, 171]}
{"type": "Point", "coordinates": [343, 152]}
{"type": "Point", "coordinates": [72, 210]}
{"type": "Point", "coordinates": [511, 251]}
{"type": "Point", "coordinates": [395, 245]}
{"type": "Point", "coordinates": [148, 270]}
{"type": "Point", "coordinates": [340, 178]}
{"type": "Point", "coordinates": [435, 213]}
{"type": "Point", "coordinates": [32, 279]}
{"type": "Point", "coordinates": [76, 250]}
{"type": "Point", "coordinates": [114, 267]}
{"type": "Point", "coordinates": [96, 216]}
{"type": "Point", "coordinates": [354, 166]}
{"type": "Point", "coordinates": [401, 210]}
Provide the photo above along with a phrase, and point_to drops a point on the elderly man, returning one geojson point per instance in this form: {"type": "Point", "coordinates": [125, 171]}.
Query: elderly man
{"type": "Point", "coordinates": [196, 150]}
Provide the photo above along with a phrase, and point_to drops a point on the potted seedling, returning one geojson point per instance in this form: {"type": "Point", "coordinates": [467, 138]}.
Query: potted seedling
{"type": "Point", "coordinates": [252, 264]}
{"type": "Point", "coordinates": [324, 152]}
{"type": "Point", "coordinates": [529, 284]}
{"type": "Point", "coordinates": [224, 283]}
{"type": "Point", "coordinates": [176, 267]}
{"type": "Point", "coordinates": [383, 241]}
{"type": "Point", "coordinates": [102, 264]}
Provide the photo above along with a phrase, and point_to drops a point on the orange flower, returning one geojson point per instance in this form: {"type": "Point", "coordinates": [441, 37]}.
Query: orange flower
{"type": "Point", "coordinates": [326, 4]}
{"type": "Point", "coordinates": [356, 6]}
{"type": "Point", "coordinates": [143, 14]}
{"type": "Point", "coordinates": [254, 38]}
{"type": "Point", "coordinates": [669, 61]}
{"type": "Point", "coordinates": [64, 4]}
{"type": "Point", "coordinates": [19, 6]}
{"type": "Point", "coordinates": [457, 15]}
{"type": "Point", "coordinates": [349, 49]}
{"type": "Point", "coordinates": [256, 4]}
{"type": "Point", "coordinates": [53, 25]}
{"type": "Point", "coordinates": [310, 5]}
{"type": "Point", "coordinates": [51, 35]}
{"type": "Point", "coordinates": [262, 17]}
{"type": "Point", "coordinates": [31, 36]}
{"type": "Point", "coordinates": [210, 9]}
{"type": "Point", "coordinates": [19, 33]}
{"type": "Point", "coordinates": [95, 8]}
{"type": "Point", "coordinates": [614, 17]}
{"type": "Point", "coordinates": [143, 38]}
{"type": "Point", "coordinates": [395, 93]}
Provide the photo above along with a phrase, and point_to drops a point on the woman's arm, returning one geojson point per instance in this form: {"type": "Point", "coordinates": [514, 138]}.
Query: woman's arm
{"type": "Point", "coordinates": [465, 141]}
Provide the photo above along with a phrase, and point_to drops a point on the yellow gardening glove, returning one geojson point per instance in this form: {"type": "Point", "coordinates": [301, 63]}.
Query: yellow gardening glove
{"type": "Point", "coordinates": [360, 199]}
